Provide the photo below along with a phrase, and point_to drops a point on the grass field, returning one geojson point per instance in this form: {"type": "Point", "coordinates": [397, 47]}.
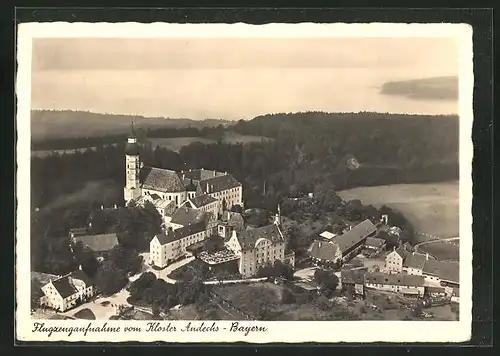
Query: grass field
{"type": "Point", "coordinates": [432, 208]}
{"type": "Point", "coordinates": [176, 143]}
{"type": "Point", "coordinates": [442, 250]}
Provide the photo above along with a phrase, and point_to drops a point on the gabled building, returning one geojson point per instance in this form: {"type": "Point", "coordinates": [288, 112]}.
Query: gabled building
{"type": "Point", "coordinates": [257, 247]}
{"type": "Point", "coordinates": [405, 284]}
{"type": "Point", "coordinates": [169, 246]}
{"type": "Point", "coordinates": [342, 248]}
{"type": "Point", "coordinates": [446, 274]}
{"type": "Point", "coordinates": [375, 245]}
{"type": "Point", "coordinates": [67, 291]}
{"type": "Point", "coordinates": [166, 186]}
{"type": "Point", "coordinates": [401, 260]}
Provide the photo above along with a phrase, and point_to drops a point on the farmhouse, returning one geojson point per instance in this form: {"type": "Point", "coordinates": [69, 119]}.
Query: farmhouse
{"type": "Point", "coordinates": [408, 285]}
{"type": "Point", "coordinates": [342, 248]}
{"type": "Point", "coordinates": [446, 274]}
{"type": "Point", "coordinates": [67, 291]}
{"type": "Point", "coordinates": [167, 187]}
{"type": "Point", "coordinates": [400, 260]}
{"type": "Point", "coordinates": [167, 247]}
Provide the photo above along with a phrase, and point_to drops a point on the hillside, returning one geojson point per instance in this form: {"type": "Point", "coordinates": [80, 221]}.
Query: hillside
{"type": "Point", "coordinates": [439, 88]}
{"type": "Point", "coordinates": [48, 124]}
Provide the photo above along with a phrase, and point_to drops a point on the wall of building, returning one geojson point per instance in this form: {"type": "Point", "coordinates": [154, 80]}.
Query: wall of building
{"type": "Point", "coordinates": [394, 263]}
{"type": "Point", "coordinates": [395, 288]}
{"type": "Point", "coordinates": [178, 197]}
{"type": "Point", "coordinates": [162, 255]}
{"type": "Point", "coordinates": [413, 271]}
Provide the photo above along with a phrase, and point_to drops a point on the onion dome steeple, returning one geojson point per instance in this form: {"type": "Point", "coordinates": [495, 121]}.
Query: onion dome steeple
{"type": "Point", "coordinates": [132, 148]}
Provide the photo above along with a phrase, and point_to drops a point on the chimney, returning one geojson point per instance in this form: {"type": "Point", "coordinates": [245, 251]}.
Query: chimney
{"type": "Point", "coordinates": [413, 253]}
{"type": "Point", "coordinates": [102, 207]}
{"type": "Point", "coordinates": [426, 256]}
{"type": "Point", "coordinates": [215, 173]}
{"type": "Point", "coordinates": [233, 234]}
{"type": "Point", "coordinates": [80, 267]}
{"type": "Point", "coordinates": [115, 206]}
{"type": "Point", "coordinates": [394, 248]}
{"type": "Point", "coordinates": [183, 176]}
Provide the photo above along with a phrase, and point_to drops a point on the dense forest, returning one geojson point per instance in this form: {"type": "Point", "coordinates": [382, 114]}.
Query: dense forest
{"type": "Point", "coordinates": [337, 151]}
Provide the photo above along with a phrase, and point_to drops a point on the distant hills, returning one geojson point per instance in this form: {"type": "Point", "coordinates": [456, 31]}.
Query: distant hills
{"type": "Point", "coordinates": [437, 88]}
{"type": "Point", "coordinates": [47, 124]}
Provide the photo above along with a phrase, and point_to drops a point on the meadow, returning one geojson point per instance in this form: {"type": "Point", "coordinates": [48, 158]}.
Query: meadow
{"type": "Point", "coordinates": [176, 143]}
{"type": "Point", "coordinates": [432, 208]}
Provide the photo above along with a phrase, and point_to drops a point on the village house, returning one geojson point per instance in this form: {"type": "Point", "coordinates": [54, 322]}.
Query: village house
{"type": "Point", "coordinates": [405, 284]}
{"type": "Point", "coordinates": [169, 189]}
{"type": "Point", "coordinates": [67, 291]}
{"type": "Point", "coordinates": [169, 246]}
{"type": "Point", "coordinates": [342, 248]}
{"type": "Point", "coordinates": [257, 247]}
{"type": "Point", "coordinates": [400, 260]}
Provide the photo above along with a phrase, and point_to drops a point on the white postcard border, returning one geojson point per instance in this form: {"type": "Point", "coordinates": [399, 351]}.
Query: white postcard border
{"type": "Point", "coordinates": [287, 332]}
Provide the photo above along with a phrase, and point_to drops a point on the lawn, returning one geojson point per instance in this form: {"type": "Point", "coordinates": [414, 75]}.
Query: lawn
{"type": "Point", "coordinates": [431, 208]}
{"type": "Point", "coordinates": [176, 143]}
{"type": "Point", "coordinates": [442, 250]}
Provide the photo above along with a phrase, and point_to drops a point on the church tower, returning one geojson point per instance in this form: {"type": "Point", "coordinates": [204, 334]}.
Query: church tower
{"type": "Point", "coordinates": [132, 168]}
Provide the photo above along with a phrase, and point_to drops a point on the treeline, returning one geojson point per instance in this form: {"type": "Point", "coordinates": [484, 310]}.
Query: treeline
{"type": "Point", "coordinates": [334, 151]}
{"type": "Point", "coordinates": [68, 143]}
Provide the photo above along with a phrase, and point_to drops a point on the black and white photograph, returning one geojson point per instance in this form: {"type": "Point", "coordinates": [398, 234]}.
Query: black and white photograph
{"type": "Point", "coordinates": [220, 182]}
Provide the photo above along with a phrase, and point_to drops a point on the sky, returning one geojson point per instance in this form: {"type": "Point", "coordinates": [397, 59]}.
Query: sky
{"type": "Point", "coordinates": [231, 78]}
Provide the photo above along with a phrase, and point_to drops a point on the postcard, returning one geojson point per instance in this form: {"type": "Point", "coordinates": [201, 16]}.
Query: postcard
{"type": "Point", "coordinates": [230, 182]}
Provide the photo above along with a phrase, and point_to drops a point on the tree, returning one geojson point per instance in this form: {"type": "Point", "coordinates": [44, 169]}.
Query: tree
{"type": "Point", "coordinates": [236, 208]}
{"type": "Point", "coordinates": [110, 279]}
{"type": "Point", "coordinates": [328, 281]}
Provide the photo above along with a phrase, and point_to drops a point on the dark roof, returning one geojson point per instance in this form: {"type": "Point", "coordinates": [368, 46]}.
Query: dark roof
{"type": "Point", "coordinates": [400, 279]}
{"type": "Point", "coordinates": [322, 250]}
{"type": "Point", "coordinates": [352, 276]}
{"type": "Point", "coordinates": [220, 183]}
{"type": "Point", "coordinates": [160, 179]}
{"type": "Point", "coordinates": [248, 238]}
{"type": "Point", "coordinates": [64, 287]}
{"type": "Point", "coordinates": [355, 235]}
{"type": "Point", "coordinates": [375, 242]}
{"type": "Point", "coordinates": [79, 274]}
{"type": "Point", "coordinates": [132, 149]}
{"type": "Point", "coordinates": [202, 200]}
{"type": "Point", "coordinates": [431, 289]}
{"type": "Point", "coordinates": [200, 174]}
{"type": "Point", "coordinates": [446, 271]}
{"type": "Point", "coordinates": [401, 251]}
{"type": "Point", "coordinates": [98, 243]}
{"type": "Point", "coordinates": [414, 260]}
{"type": "Point", "coordinates": [184, 215]}
{"type": "Point", "coordinates": [181, 233]}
